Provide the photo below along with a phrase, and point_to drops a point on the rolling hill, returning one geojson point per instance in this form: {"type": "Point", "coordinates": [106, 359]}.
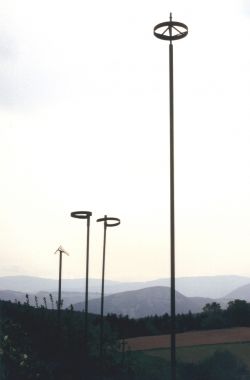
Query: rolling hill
{"type": "Point", "coordinates": [242, 293]}
{"type": "Point", "coordinates": [145, 302]}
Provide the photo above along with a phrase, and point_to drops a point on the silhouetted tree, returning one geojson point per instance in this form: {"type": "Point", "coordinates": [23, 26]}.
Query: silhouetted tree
{"type": "Point", "coordinates": [238, 313]}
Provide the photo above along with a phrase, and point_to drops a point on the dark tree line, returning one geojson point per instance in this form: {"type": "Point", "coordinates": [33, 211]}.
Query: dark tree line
{"type": "Point", "coordinates": [213, 316]}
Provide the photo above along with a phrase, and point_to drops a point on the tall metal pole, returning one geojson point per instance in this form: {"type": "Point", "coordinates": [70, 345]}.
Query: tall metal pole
{"type": "Point", "coordinates": [85, 215]}
{"type": "Point", "coordinates": [61, 250]}
{"type": "Point", "coordinates": [172, 204]}
{"type": "Point", "coordinates": [87, 281]}
{"type": "Point", "coordinates": [108, 222]}
{"type": "Point", "coordinates": [172, 209]}
{"type": "Point", "coordinates": [60, 281]}
{"type": "Point", "coordinates": [103, 275]}
{"type": "Point", "coordinates": [170, 31]}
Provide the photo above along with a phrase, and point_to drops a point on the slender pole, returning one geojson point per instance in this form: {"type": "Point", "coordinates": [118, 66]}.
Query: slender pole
{"type": "Point", "coordinates": [102, 295]}
{"type": "Point", "coordinates": [108, 222]}
{"type": "Point", "coordinates": [60, 281]}
{"type": "Point", "coordinates": [87, 281]}
{"type": "Point", "coordinates": [173, 30]}
{"type": "Point", "coordinates": [172, 209]}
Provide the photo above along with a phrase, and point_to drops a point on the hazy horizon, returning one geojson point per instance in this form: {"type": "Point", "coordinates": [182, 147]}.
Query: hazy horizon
{"type": "Point", "coordinates": [110, 279]}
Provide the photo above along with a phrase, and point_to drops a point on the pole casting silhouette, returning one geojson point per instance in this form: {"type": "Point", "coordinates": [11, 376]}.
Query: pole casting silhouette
{"type": "Point", "coordinates": [170, 31]}
{"type": "Point", "coordinates": [85, 215]}
{"type": "Point", "coordinates": [61, 250]}
{"type": "Point", "coordinates": [108, 222]}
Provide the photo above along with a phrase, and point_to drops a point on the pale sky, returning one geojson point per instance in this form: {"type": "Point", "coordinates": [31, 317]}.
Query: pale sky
{"type": "Point", "coordinates": [84, 126]}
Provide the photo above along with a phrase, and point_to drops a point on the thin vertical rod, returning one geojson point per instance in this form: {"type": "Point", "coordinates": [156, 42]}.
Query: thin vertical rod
{"type": "Point", "coordinates": [60, 281]}
{"type": "Point", "coordinates": [87, 281]}
{"type": "Point", "coordinates": [102, 295]}
{"type": "Point", "coordinates": [172, 209]}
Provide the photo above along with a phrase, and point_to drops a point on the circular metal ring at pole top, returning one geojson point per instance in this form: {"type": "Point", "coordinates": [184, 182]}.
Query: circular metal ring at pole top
{"type": "Point", "coordinates": [114, 221]}
{"type": "Point", "coordinates": [170, 30]}
{"type": "Point", "coordinates": [81, 214]}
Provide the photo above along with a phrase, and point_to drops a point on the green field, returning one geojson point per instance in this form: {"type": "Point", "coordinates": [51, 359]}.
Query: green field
{"type": "Point", "coordinates": [196, 354]}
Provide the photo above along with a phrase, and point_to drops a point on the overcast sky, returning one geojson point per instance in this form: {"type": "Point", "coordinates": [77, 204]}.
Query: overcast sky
{"type": "Point", "coordinates": [84, 126]}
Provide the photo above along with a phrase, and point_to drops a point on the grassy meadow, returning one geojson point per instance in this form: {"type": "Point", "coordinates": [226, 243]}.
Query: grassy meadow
{"type": "Point", "coordinates": [195, 354]}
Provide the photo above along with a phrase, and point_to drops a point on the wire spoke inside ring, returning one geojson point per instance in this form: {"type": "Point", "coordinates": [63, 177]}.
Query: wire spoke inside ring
{"type": "Point", "coordinates": [178, 30]}
{"type": "Point", "coordinates": [165, 30]}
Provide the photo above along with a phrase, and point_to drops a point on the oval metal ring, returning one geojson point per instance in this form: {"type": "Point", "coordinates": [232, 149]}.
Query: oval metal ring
{"type": "Point", "coordinates": [81, 214]}
{"type": "Point", "coordinates": [115, 223]}
{"type": "Point", "coordinates": [171, 24]}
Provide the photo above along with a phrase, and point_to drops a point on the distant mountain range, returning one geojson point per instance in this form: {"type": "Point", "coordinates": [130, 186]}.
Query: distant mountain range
{"type": "Point", "coordinates": [145, 302]}
{"type": "Point", "coordinates": [204, 286]}
{"type": "Point", "coordinates": [156, 301]}
{"type": "Point", "coordinates": [139, 299]}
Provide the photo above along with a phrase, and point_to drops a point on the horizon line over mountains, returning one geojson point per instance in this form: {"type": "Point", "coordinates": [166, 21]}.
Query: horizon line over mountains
{"type": "Point", "coordinates": [136, 303]}
{"type": "Point", "coordinates": [124, 280]}
{"type": "Point", "coordinates": [196, 286]}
